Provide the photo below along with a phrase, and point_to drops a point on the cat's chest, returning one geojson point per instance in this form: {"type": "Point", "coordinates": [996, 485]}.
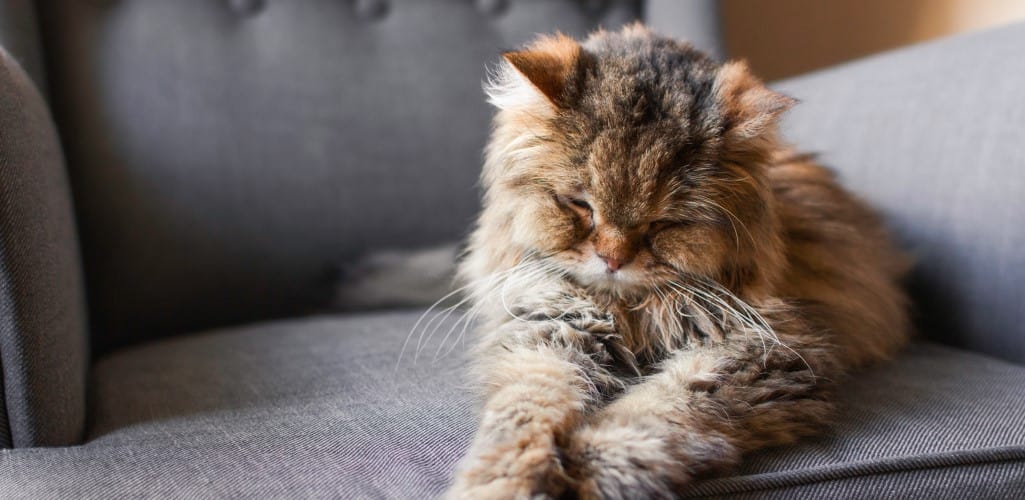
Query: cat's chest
{"type": "Point", "coordinates": [652, 331]}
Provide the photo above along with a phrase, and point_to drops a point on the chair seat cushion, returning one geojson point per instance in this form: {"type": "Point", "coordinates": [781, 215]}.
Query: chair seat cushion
{"type": "Point", "coordinates": [322, 407]}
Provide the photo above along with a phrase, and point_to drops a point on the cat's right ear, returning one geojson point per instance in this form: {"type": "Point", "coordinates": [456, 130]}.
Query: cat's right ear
{"type": "Point", "coordinates": [551, 64]}
{"type": "Point", "coordinates": [749, 107]}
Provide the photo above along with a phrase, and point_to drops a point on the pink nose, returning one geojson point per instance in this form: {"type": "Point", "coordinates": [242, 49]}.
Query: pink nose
{"type": "Point", "coordinates": [612, 263]}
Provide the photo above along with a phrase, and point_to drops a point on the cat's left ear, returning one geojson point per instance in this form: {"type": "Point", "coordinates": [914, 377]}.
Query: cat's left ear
{"type": "Point", "coordinates": [550, 64]}
{"type": "Point", "coordinates": [749, 106]}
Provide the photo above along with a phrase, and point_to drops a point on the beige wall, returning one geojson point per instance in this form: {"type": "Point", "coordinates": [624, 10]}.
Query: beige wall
{"type": "Point", "coordinates": [781, 38]}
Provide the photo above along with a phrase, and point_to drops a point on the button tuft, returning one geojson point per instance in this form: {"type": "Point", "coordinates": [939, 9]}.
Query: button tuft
{"type": "Point", "coordinates": [493, 7]}
{"type": "Point", "coordinates": [595, 6]}
{"type": "Point", "coordinates": [247, 7]}
{"type": "Point", "coordinates": [371, 10]}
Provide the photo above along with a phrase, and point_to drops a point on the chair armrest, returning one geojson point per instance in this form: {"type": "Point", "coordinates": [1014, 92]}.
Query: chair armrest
{"type": "Point", "coordinates": [43, 339]}
{"type": "Point", "coordinates": [934, 134]}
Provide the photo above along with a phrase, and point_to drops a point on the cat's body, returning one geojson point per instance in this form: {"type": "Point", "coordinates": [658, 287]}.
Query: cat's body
{"type": "Point", "coordinates": [661, 284]}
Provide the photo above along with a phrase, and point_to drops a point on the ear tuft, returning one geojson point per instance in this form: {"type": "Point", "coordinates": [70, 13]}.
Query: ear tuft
{"type": "Point", "coordinates": [750, 107]}
{"type": "Point", "coordinates": [549, 64]}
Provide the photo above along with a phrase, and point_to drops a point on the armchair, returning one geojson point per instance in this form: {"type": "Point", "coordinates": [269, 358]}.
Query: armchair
{"type": "Point", "coordinates": [216, 160]}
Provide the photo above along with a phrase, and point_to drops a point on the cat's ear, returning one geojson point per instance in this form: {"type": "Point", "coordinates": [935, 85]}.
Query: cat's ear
{"type": "Point", "coordinates": [550, 64]}
{"type": "Point", "coordinates": [750, 108]}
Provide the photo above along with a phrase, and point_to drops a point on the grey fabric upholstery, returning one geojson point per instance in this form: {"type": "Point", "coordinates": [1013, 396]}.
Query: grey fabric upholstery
{"type": "Point", "coordinates": [43, 353]}
{"type": "Point", "coordinates": [295, 409]}
{"type": "Point", "coordinates": [320, 408]}
{"type": "Point", "coordinates": [933, 135]}
{"type": "Point", "coordinates": [226, 157]}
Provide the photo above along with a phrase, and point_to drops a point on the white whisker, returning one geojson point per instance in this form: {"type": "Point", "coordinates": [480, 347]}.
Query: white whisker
{"type": "Point", "coordinates": [490, 278]}
{"type": "Point", "coordinates": [747, 315]}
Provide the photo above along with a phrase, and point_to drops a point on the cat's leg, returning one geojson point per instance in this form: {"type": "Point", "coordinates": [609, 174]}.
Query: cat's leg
{"type": "Point", "coordinates": [702, 410]}
{"type": "Point", "coordinates": [541, 376]}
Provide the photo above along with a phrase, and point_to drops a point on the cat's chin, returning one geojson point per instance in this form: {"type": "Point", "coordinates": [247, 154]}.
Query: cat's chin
{"type": "Point", "coordinates": [619, 283]}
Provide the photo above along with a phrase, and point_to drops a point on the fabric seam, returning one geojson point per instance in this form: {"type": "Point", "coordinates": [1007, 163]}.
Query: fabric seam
{"type": "Point", "coordinates": [778, 480]}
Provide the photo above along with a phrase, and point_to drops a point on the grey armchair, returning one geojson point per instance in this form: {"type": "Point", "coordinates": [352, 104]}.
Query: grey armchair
{"type": "Point", "coordinates": [162, 260]}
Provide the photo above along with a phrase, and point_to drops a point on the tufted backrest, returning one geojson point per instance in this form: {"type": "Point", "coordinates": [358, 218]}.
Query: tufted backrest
{"type": "Point", "coordinates": [227, 156]}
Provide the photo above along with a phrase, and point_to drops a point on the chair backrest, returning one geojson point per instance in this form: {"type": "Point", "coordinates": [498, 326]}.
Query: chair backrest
{"type": "Point", "coordinates": [227, 156]}
{"type": "Point", "coordinates": [935, 136]}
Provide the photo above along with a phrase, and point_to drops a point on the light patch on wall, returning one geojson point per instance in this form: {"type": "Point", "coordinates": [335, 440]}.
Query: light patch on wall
{"type": "Point", "coordinates": [782, 38]}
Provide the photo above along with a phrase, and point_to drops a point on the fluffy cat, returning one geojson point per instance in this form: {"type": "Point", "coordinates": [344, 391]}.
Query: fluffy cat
{"type": "Point", "coordinates": [662, 284]}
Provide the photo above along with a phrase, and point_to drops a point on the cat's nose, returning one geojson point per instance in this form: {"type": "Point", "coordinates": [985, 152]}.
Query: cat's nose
{"type": "Point", "coordinates": [613, 264]}
{"type": "Point", "coordinates": [614, 247]}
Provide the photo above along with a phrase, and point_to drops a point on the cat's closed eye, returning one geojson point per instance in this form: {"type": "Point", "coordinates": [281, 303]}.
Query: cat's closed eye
{"type": "Point", "coordinates": [663, 224]}
{"type": "Point", "coordinates": [573, 202]}
{"type": "Point", "coordinates": [581, 204]}
{"type": "Point", "coordinates": [578, 205]}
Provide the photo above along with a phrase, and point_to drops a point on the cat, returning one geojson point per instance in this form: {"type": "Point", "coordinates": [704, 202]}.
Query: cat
{"type": "Point", "coordinates": [660, 283]}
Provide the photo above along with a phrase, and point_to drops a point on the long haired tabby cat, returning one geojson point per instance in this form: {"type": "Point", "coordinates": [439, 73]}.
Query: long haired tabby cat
{"type": "Point", "coordinates": [663, 284]}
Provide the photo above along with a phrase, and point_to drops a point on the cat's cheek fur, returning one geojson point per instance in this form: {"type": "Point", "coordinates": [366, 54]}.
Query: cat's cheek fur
{"type": "Point", "coordinates": [697, 250]}
{"type": "Point", "coordinates": [540, 225]}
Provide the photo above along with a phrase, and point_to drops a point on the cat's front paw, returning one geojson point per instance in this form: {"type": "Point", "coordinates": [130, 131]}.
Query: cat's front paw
{"type": "Point", "coordinates": [613, 461]}
{"type": "Point", "coordinates": [521, 469]}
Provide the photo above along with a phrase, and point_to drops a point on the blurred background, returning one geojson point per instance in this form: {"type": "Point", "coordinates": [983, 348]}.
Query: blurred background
{"type": "Point", "coordinates": [782, 38]}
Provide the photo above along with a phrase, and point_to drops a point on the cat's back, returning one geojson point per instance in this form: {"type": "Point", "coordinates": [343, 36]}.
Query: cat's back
{"type": "Point", "coordinates": [842, 264]}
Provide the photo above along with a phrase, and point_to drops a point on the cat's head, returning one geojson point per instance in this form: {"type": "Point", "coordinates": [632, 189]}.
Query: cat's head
{"type": "Point", "coordinates": [632, 159]}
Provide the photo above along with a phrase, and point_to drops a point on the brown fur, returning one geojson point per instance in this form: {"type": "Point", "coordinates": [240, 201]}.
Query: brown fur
{"type": "Point", "coordinates": [549, 64]}
{"type": "Point", "coordinates": [747, 282]}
